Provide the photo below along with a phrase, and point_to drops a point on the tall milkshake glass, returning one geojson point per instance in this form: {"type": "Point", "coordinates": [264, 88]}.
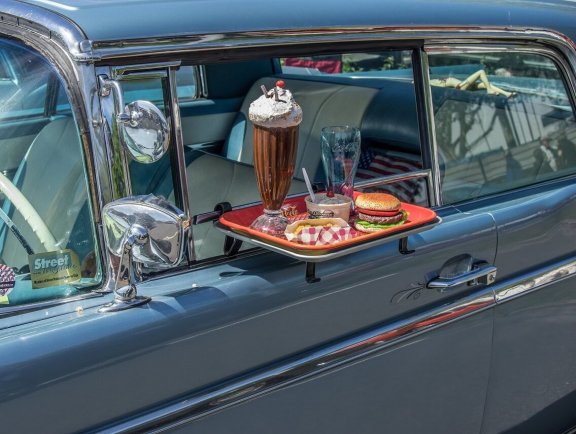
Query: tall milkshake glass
{"type": "Point", "coordinates": [276, 118]}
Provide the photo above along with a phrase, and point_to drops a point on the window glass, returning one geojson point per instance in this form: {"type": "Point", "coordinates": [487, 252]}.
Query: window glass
{"type": "Point", "coordinates": [373, 92]}
{"type": "Point", "coordinates": [47, 240]}
{"type": "Point", "coordinates": [150, 91]}
{"type": "Point", "coordinates": [503, 120]}
{"type": "Point", "coordinates": [155, 178]}
{"type": "Point", "coordinates": [384, 64]}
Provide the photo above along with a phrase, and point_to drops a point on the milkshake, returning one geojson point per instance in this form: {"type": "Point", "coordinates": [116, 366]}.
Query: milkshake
{"type": "Point", "coordinates": [275, 117]}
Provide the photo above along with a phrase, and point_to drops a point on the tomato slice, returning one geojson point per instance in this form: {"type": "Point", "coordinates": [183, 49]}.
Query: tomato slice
{"type": "Point", "coordinates": [378, 213]}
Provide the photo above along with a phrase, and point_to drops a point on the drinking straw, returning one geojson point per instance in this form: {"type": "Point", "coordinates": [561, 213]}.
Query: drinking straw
{"type": "Point", "coordinates": [308, 185]}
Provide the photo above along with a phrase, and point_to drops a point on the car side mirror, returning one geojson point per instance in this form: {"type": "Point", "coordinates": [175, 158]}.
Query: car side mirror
{"type": "Point", "coordinates": [143, 129]}
{"type": "Point", "coordinates": [146, 233]}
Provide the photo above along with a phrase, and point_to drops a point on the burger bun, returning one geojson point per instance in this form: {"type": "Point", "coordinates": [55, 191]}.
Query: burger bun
{"type": "Point", "coordinates": [378, 202]}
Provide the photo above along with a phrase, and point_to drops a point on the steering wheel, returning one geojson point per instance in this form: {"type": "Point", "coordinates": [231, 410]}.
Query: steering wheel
{"type": "Point", "coordinates": [25, 208]}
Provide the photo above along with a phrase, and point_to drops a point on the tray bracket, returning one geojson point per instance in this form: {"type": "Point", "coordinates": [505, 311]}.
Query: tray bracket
{"type": "Point", "coordinates": [311, 273]}
{"type": "Point", "coordinates": [403, 246]}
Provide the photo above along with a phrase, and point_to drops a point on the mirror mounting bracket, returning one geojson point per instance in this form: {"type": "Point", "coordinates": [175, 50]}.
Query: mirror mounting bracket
{"type": "Point", "coordinates": [126, 294]}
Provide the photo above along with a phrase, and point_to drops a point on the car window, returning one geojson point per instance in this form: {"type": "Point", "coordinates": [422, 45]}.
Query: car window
{"type": "Point", "coordinates": [503, 120]}
{"type": "Point", "coordinates": [148, 90]}
{"type": "Point", "coordinates": [353, 90]}
{"type": "Point", "coordinates": [385, 64]}
{"type": "Point", "coordinates": [47, 239]}
{"type": "Point", "coordinates": [156, 177]}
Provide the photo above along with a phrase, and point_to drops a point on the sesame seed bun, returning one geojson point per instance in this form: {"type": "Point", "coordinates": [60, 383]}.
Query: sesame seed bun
{"type": "Point", "coordinates": [378, 202]}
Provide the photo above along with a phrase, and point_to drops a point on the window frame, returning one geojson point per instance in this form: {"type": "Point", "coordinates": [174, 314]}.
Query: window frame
{"type": "Point", "coordinates": [67, 76]}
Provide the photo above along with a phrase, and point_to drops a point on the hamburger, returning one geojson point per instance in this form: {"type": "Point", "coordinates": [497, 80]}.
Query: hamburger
{"type": "Point", "coordinates": [378, 211]}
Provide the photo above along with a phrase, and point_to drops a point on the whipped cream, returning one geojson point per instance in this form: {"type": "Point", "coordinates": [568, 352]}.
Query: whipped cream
{"type": "Point", "coordinates": [268, 112]}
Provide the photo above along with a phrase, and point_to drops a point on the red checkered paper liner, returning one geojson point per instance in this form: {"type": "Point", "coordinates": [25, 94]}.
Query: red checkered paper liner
{"type": "Point", "coordinates": [320, 235]}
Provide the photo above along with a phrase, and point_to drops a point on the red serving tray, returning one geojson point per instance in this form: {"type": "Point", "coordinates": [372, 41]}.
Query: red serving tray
{"type": "Point", "coordinates": [239, 220]}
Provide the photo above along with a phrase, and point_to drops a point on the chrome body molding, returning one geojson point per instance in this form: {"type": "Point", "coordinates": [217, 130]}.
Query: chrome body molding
{"type": "Point", "coordinates": [536, 281]}
{"type": "Point", "coordinates": [327, 35]}
{"type": "Point", "coordinates": [14, 310]}
{"type": "Point", "coordinates": [339, 354]}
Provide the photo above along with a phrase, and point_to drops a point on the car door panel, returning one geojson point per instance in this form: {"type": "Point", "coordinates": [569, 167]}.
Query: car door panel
{"type": "Point", "coordinates": [536, 229]}
{"type": "Point", "coordinates": [208, 121]}
{"type": "Point", "coordinates": [407, 388]}
{"type": "Point", "coordinates": [533, 361]}
{"type": "Point", "coordinates": [535, 319]}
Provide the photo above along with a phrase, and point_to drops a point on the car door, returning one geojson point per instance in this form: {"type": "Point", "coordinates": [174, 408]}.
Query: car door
{"type": "Point", "coordinates": [518, 153]}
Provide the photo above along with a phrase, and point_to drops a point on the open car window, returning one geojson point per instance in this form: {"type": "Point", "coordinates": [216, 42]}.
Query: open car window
{"type": "Point", "coordinates": [348, 89]}
{"type": "Point", "coordinates": [503, 120]}
{"type": "Point", "coordinates": [47, 239]}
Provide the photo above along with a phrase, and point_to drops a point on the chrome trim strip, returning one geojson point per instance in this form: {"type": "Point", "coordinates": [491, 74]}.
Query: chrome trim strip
{"type": "Point", "coordinates": [181, 163]}
{"type": "Point", "coordinates": [294, 37]}
{"type": "Point", "coordinates": [47, 23]}
{"type": "Point", "coordinates": [425, 173]}
{"type": "Point", "coordinates": [313, 364]}
{"type": "Point", "coordinates": [536, 281]}
{"type": "Point", "coordinates": [434, 189]}
{"type": "Point", "coordinates": [13, 310]}
{"type": "Point", "coordinates": [118, 71]}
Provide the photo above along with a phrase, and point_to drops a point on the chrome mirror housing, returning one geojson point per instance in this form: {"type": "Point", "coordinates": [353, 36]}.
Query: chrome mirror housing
{"type": "Point", "coordinates": [144, 131]}
{"type": "Point", "coordinates": [147, 234]}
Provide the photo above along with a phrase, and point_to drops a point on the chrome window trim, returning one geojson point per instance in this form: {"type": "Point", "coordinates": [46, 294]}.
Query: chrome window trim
{"type": "Point", "coordinates": [182, 176]}
{"type": "Point", "coordinates": [81, 90]}
{"type": "Point", "coordinates": [105, 50]}
{"type": "Point", "coordinates": [31, 307]}
{"type": "Point", "coordinates": [201, 81]}
{"type": "Point", "coordinates": [49, 24]}
{"type": "Point", "coordinates": [429, 156]}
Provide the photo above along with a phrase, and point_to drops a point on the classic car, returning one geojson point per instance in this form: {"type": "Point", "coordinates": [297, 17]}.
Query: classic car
{"type": "Point", "coordinates": [128, 301]}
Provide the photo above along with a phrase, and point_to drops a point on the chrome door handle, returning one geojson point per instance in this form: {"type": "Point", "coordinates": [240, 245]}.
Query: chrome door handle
{"type": "Point", "coordinates": [482, 275]}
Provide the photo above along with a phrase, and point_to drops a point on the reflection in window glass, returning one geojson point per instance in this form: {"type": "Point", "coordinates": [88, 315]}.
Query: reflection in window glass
{"type": "Point", "coordinates": [47, 240]}
{"type": "Point", "coordinates": [384, 64]}
{"type": "Point", "coordinates": [503, 120]}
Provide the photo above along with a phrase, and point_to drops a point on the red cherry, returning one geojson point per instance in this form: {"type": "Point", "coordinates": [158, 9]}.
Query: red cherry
{"type": "Point", "coordinates": [280, 83]}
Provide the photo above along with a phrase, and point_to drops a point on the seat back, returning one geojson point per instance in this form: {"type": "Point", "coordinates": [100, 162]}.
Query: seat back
{"type": "Point", "coordinates": [213, 179]}
{"type": "Point", "coordinates": [323, 104]}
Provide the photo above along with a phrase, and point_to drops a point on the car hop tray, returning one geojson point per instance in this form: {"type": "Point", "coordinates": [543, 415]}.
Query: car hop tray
{"type": "Point", "coordinates": [236, 224]}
